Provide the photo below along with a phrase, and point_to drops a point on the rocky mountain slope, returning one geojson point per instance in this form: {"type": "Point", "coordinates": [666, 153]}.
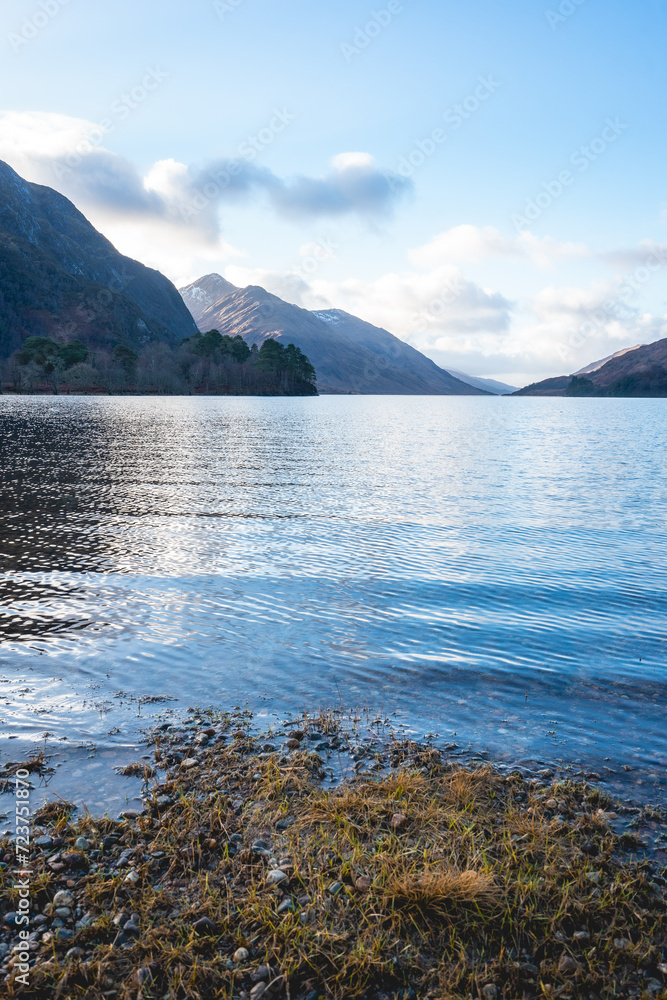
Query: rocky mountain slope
{"type": "Point", "coordinates": [349, 355]}
{"type": "Point", "coordinates": [60, 278]}
{"type": "Point", "coordinates": [639, 371]}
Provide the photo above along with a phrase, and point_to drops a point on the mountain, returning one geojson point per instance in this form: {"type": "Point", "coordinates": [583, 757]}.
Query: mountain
{"type": "Point", "coordinates": [488, 384]}
{"type": "Point", "coordinates": [593, 367]}
{"type": "Point", "coordinates": [349, 355]}
{"type": "Point", "coordinates": [60, 278]}
{"type": "Point", "coordinates": [638, 371]}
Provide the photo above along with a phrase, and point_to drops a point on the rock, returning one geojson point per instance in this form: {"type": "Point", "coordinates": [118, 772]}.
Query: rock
{"type": "Point", "coordinates": [363, 883]}
{"type": "Point", "coordinates": [296, 734]}
{"type": "Point", "coordinates": [63, 898]}
{"type": "Point", "coordinates": [189, 763]}
{"type": "Point", "coordinates": [132, 877]}
{"type": "Point", "coordinates": [74, 859]}
{"type": "Point", "coordinates": [63, 912]}
{"type": "Point", "coordinates": [81, 844]}
{"type": "Point", "coordinates": [269, 747]}
{"type": "Point", "coordinates": [594, 877]}
{"type": "Point", "coordinates": [622, 944]}
{"type": "Point", "coordinates": [581, 936]}
{"type": "Point", "coordinates": [335, 888]}
{"type": "Point", "coordinates": [567, 965]}
{"type": "Point", "coordinates": [261, 847]}
{"type": "Point", "coordinates": [663, 968]}
{"type": "Point", "coordinates": [286, 906]}
{"type": "Point", "coordinates": [43, 842]}
{"type": "Point", "coordinates": [398, 821]}
{"type": "Point", "coordinates": [144, 975]}
{"type": "Point", "coordinates": [241, 955]}
{"type": "Point", "coordinates": [131, 928]}
{"type": "Point", "coordinates": [164, 801]}
{"type": "Point", "coordinates": [258, 991]}
{"type": "Point", "coordinates": [262, 974]}
{"type": "Point", "coordinates": [275, 877]}
{"type": "Point", "coordinates": [315, 737]}
{"type": "Point", "coordinates": [285, 822]}
{"type": "Point", "coordinates": [75, 953]}
{"type": "Point", "coordinates": [10, 919]}
{"type": "Point", "coordinates": [62, 934]}
{"type": "Point", "coordinates": [130, 814]}
{"type": "Point", "coordinates": [121, 919]}
{"type": "Point", "coordinates": [293, 744]}
{"type": "Point", "coordinates": [489, 992]}
{"type": "Point", "coordinates": [203, 926]}
{"type": "Point", "coordinates": [551, 803]}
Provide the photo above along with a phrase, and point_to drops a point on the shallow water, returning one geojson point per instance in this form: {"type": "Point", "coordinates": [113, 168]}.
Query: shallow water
{"type": "Point", "coordinates": [491, 569]}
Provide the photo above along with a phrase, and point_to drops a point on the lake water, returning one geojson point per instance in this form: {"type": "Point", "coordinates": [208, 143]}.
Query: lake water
{"type": "Point", "coordinates": [493, 570]}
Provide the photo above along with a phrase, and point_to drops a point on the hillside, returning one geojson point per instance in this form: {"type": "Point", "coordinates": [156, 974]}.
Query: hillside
{"type": "Point", "coordinates": [60, 278]}
{"type": "Point", "coordinates": [635, 372]}
{"type": "Point", "coordinates": [350, 356]}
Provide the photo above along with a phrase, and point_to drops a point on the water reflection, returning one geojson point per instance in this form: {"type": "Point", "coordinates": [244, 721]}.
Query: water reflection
{"type": "Point", "coordinates": [490, 567]}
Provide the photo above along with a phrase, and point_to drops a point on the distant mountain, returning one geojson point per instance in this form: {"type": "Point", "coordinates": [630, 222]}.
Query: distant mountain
{"type": "Point", "coordinates": [638, 371]}
{"type": "Point", "coordinates": [60, 278]}
{"type": "Point", "coordinates": [350, 356]}
{"type": "Point", "coordinates": [204, 293]}
{"type": "Point", "coordinates": [593, 367]}
{"type": "Point", "coordinates": [487, 384]}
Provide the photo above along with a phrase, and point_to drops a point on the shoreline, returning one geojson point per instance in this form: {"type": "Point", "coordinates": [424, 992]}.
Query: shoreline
{"type": "Point", "coordinates": [316, 861]}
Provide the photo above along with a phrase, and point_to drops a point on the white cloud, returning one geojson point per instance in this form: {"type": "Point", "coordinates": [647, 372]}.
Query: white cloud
{"type": "Point", "coordinates": [467, 243]}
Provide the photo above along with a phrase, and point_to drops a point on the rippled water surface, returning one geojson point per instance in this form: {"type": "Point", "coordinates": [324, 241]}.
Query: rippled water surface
{"type": "Point", "coordinates": [492, 568]}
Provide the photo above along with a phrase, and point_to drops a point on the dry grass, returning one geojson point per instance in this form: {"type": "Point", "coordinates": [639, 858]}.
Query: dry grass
{"type": "Point", "coordinates": [431, 878]}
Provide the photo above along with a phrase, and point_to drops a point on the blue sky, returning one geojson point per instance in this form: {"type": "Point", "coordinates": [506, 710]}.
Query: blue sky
{"type": "Point", "coordinates": [431, 239]}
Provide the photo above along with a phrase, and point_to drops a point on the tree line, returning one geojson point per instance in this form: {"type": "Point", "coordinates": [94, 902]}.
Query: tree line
{"type": "Point", "coordinates": [208, 363]}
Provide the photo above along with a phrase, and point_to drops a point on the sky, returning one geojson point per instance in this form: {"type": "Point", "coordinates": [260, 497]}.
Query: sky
{"type": "Point", "coordinates": [487, 181]}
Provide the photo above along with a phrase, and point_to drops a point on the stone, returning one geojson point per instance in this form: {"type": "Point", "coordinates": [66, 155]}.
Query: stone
{"type": "Point", "coordinates": [130, 814]}
{"type": "Point", "coordinates": [74, 859]}
{"type": "Point", "coordinates": [622, 944]}
{"type": "Point", "coordinates": [63, 898]}
{"type": "Point", "coordinates": [258, 991]}
{"type": "Point", "coordinates": [260, 847]}
{"type": "Point", "coordinates": [551, 803]}
{"type": "Point", "coordinates": [489, 992]}
{"type": "Point", "coordinates": [286, 906]}
{"type": "Point", "coordinates": [189, 763]}
{"type": "Point", "coordinates": [241, 955]}
{"type": "Point", "coordinates": [75, 953]}
{"type": "Point", "coordinates": [363, 883]}
{"type": "Point", "coordinates": [81, 844]}
{"type": "Point", "coordinates": [130, 927]}
{"type": "Point", "coordinates": [293, 744]}
{"type": "Point", "coordinates": [261, 974]}
{"type": "Point", "coordinates": [567, 965]}
{"type": "Point", "coordinates": [275, 877]}
{"type": "Point", "coordinates": [581, 935]}
{"type": "Point", "coordinates": [10, 919]}
{"type": "Point", "coordinates": [144, 976]}
{"type": "Point", "coordinates": [203, 926]}
{"type": "Point", "coordinates": [132, 877]}
{"type": "Point", "coordinates": [285, 822]}
{"type": "Point", "coordinates": [398, 821]}
{"type": "Point", "coordinates": [335, 888]}
{"type": "Point", "coordinates": [164, 801]}
{"type": "Point", "coordinates": [63, 912]}
{"type": "Point", "coordinates": [43, 842]}
{"type": "Point", "coordinates": [296, 734]}
{"type": "Point", "coordinates": [63, 934]}
{"type": "Point", "coordinates": [663, 968]}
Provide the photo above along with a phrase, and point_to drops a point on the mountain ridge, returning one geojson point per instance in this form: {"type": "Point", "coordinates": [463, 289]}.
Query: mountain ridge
{"type": "Point", "coordinates": [61, 278]}
{"type": "Point", "coordinates": [349, 355]}
{"type": "Point", "coordinates": [634, 372]}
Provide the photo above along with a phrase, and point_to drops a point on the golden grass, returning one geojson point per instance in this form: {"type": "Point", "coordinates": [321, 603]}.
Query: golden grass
{"type": "Point", "coordinates": [479, 884]}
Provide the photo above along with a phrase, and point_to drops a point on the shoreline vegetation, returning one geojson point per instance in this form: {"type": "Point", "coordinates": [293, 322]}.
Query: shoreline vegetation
{"type": "Point", "coordinates": [322, 859]}
{"type": "Point", "coordinates": [205, 364]}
